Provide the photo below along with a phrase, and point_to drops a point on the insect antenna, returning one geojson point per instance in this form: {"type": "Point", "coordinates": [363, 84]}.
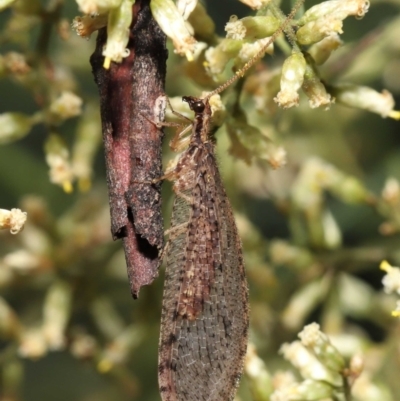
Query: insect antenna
{"type": "Point", "coordinates": [241, 71]}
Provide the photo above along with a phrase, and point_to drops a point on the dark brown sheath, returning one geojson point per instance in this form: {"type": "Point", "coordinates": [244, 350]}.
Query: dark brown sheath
{"type": "Point", "coordinates": [132, 144]}
{"type": "Point", "coordinates": [205, 314]}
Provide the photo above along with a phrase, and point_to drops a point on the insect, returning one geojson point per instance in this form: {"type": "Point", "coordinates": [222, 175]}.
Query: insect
{"type": "Point", "coordinates": [205, 313]}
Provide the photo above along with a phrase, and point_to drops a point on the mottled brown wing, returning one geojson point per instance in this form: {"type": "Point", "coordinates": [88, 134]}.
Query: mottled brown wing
{"type": "Point", "coordinates": [205, 307]}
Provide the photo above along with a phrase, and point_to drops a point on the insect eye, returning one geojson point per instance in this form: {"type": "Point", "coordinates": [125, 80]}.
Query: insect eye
{"type": "Point", "coordinates": [198, 107]}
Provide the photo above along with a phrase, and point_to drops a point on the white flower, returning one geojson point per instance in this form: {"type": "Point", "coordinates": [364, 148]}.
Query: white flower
{"type": "Point", "coordinates": [174, 26]}
{"type": "Point", "coordinates": [391, 280]}
{"type": "Point", "coordinates": [318, 342]}
{"type": "Point", "coordinates": [396, 312]}
{"type": "Point", "coordinates": [67, 105]}
{"type": "Point", "coordinates": [85, 25]}
{"type": "Point", "coordinates": [235, 28]}
{"type": "Point", "coordinates": [308, 364]}
{"type": "Point", "coordinates": [119, 20]}
{"type": "Point", "coordinates": [57, 157]}
{"type": "Point", "coordinates": [22, 261]}
{"type": "Point", "coordinates": [366, 98]}
{"type": "Point", "coordinates": [292, 77]}
{"type": "Point", "coordinates": [13, 220]}
{"type": "Point", "coordinates": [14, 126]}
{"type": "Point", "coordinates": [391, 191]}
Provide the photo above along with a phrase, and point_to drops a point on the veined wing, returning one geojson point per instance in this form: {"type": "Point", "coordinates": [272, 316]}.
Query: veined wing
{"type": "Point", "coordinates": [205, 307]}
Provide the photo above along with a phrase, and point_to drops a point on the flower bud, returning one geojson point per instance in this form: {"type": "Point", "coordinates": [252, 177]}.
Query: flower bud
{"type": "Point", "coordinates": [202, 24]}
{"type": "Point", "coordinates": [282, 252]}
{"type": "Point", "coordinates": [5, 3]}
{"type": "Point", "coordinates": [174, 26]}
{"type": "Point", "coordinates": [338, 9]}
{"type": "Point", "coordinates": [332, 233]}
{"type": "Point", "coordinates": [83, 346]}
{"type": "Point", "coordinates": [88, 138]}
{"type": "Point", "coordinates": [85, 25]}
{"type": "Point", "coordinates": [13, 220]}
{"type": "Point", "coordinates": [9, 322]}
{"type": "Point", "coordinates": [57, 157]}
{"type": "Point", "coordinates": [308, 365]}
{"type": "Point", "coordinates": [119, 20]}
{"type": "Point", "coordinates": [14, 126]}
{"type": "Point", "coordinates": [118, 351]}
{"type": "Point", "coordinates": [308, 390]}
{"type": "Point", "coordinates": [313, 87]}
{"type": "Point", "coordinates": [396, 312]}
{"type": "Point", "coordinates": [32, 344]}
{"type": "Point", "coordinates": [356, 367]}
{"type": "Point", "coordinates": [316, 93]}
{"type": "Point", "coordinates": [67, 105]}
{"type": "Point", "coordinates": [249, 50]}
{"type": "Point", "coordinates": [252, 28]}
{"type": "Point", "coordinates": [218, 109]}
{"type": "Point", "coordinates": [362, 97]}
{"type": "Point", "coordinates": [292, 77]}
{"type": "Point", "coordinates": [315, 31]}
{"type": "Point", "coordinates": [317, 175]}
{"type": "Point", "coordinates": [235, 28]}
{"type": "Point", "coordinates": [249, 142]}
{"type": "Point", "coordinates": [349, 189]}
{"type": "Point", "coordinates": [22, 261]}
{"type": "Point", "coordinates": [15, 64]}
{"type": "Point", "coordinates": [391, 280]}
{"type": "Point", "coordinates": [366, 390]}
{"type": "Point", "coordinates": [391, 191]}
{"type": "Point", "coordinates": [186, 7]}
{"type": "Point", "coordinates": [319, 344]}
{"type": "Point", "coordinates": [218, 57]}
{"type": "Point", "coordinates": [321, 51]}
{"type": "Point", "coordinates": [56, 313]}
{"type": "Point", "coordinates": [259, 378]}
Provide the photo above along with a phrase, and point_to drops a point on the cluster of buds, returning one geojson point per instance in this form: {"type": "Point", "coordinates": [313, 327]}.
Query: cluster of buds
{"type": "Point", "coordinates": [315, 177]}
{"type": "Point", "coordinates": [49, 334]}
{"type": "Point", "coordinates": [246, 38]}
{"type": "Point", "coordinates": [326, 18]}
{"type": "Point", "coordinates": [44, 247]}
{"type": "Point", "coordinates": [259, 378]}
{"type": "Point", "coordinates": [65, 169]}
{"type": "Point", "coordinates": [15, 64]}
{"type": "Point", "coordinates": [14, 126]}
{"type": "Point", "coordinates": [117, 16]}
{"type": "Point", "coordinates": [320, 364]}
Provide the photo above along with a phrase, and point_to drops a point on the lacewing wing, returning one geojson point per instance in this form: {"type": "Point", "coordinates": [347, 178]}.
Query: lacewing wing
{"type": "Point", "coordinates": [205, 313]}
